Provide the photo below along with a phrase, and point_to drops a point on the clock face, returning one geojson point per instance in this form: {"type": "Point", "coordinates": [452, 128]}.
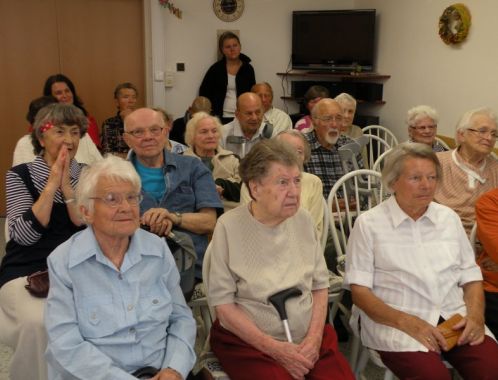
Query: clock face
{"type": "Point", "coordinates": [228, 10]}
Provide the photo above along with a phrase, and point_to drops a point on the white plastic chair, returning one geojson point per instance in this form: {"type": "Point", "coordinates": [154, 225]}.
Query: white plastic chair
{"type": "Point", "coordinates": [375, 146]}
{"type": "Point", "coordinates": [378, 164]}
{"type": "Point", "coordinates": [211, 367]}
{"type": "Point", "coordinates": [382, 132]}
{"type": "Point", "coordinates": [353, 194]}
{"type": "Point", "coordinates": [326, 224]}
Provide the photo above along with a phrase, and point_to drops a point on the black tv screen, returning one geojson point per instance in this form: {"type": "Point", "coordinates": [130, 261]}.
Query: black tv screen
{"type": "Point", "coordinates": [333, 40]}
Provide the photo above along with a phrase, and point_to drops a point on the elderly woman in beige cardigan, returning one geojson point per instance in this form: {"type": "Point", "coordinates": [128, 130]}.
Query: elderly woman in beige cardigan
{"type": "Point", "coordinates": [202, 135]}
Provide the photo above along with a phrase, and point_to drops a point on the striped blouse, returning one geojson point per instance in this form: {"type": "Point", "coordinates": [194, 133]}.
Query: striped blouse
{"type": "Point", "coordinates": [19, 199]}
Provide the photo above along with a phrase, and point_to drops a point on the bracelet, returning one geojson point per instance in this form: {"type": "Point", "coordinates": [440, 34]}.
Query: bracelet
{"type": "Point", "coordinates": [179, 216]}
{"type": "Point", "coordinates": [69, 200]}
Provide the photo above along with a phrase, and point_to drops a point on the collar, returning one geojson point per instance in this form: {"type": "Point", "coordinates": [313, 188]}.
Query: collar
{"type": "Point", "coordinates": [398, 216]}
{"type": "Point", "coordinates": [472, 175]}
{"type": "Point", "coordinates": [237, 130]}
{"type": "Point", "coordinates": [85, 246]}
{"type": "Point", "coordinates": [169, 158]}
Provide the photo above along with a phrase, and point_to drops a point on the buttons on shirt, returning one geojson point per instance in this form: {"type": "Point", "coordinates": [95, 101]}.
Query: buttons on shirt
{"type": "Point", "coordinates": [132, 330]}
{"type": "Point", "coordinates": [120, 276]}
{"type": "Point", "coordinates": [155, 301]}
{"type": "Point", "coordinates": [130, 307]}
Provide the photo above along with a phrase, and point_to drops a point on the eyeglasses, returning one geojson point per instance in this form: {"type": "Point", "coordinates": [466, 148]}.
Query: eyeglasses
{"type": "Point", "coordinates": [140, 132]}
{"type": "Point", "coordinates": [330, 119]}
{"type": "Point", "coordinates": [421, 128]}
{"type": "Point", "coordinates": [115, 199]}
{"type": "Point", "coordinates": [483, 132]}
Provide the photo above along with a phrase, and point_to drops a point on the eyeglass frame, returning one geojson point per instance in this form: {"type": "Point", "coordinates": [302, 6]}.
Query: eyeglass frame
{"type": "Point", "coordinates": [120, 198]}
{"type": "Point", "coordinates": [329, 119]}
{"type": "Point", "coordinates": [483, 132]}
{"type": "Point", "coordinates": [421, 128]}
{"type": "Point", "coordinates": [140, 132]}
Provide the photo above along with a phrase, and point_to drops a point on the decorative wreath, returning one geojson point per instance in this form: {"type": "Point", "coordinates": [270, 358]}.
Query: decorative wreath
{"type": "Point", "coordinates": [454, 24]}
{"type": "Point", "coordinates": [171, 7]}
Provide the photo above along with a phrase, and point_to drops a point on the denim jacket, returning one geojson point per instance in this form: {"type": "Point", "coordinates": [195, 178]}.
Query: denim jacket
{"type": "Point", "coordinates": [189, 187]}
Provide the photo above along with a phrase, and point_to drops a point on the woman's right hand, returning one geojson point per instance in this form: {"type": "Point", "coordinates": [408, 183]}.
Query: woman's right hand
{"type": "Point", "coordinates": [56, 176]}
{"type": "Point", "coordinates": [424, 332]}
{"type": "Point", "coordinates": [289, 357]}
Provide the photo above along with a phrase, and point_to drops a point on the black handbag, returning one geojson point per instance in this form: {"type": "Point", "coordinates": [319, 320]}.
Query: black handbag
{"type": "Point", "coordinates": [145, 373]}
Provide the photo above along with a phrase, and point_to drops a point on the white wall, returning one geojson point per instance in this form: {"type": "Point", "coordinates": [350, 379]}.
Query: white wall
{"type": "Point", "coordinates": [425, 70]}
{"type": "Point", "coordinates": [265, 33]}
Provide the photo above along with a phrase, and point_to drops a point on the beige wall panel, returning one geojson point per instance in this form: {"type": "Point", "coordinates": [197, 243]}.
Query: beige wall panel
{"type": "Point", "coordinates": [101, 44]}
{"type": "Point", "coordinates": [28, 51]}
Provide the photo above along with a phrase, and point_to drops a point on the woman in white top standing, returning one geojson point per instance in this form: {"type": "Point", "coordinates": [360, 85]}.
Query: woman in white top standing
{"type": "Point", "coordinates": [226, 79]}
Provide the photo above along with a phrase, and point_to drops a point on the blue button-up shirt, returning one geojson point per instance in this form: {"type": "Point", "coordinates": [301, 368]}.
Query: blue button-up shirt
{"type": "Point", "coordinates": [189, 188]}
{"type": "Point", "coordinates": [105, 323]}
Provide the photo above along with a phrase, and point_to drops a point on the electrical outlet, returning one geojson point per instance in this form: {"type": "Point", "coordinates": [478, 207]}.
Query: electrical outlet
{"type": "Point", "coordinates": [180, 66]}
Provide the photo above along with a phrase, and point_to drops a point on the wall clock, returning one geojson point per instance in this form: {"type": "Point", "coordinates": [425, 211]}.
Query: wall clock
{"type": "Point", "coordinates": [228, 10]}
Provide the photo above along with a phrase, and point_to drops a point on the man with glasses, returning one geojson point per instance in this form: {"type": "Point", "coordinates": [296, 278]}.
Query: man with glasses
{"type": "Point", "coordinates": [325, 139]}
{"type": "Point", "coordinates": [248, 127]}
{"type": "Point", "coordinates": [178, 191]}
{"type": "Point", "coordinates": [422, 127]}
{"type": "Point", "coordinates": [469, 170]}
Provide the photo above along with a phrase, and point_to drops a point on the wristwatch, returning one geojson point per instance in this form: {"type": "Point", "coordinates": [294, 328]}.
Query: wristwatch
{"type": "Point", "coordinates": [179, 218]}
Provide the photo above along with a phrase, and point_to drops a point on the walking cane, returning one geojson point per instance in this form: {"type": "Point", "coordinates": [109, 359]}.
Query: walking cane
{"type": "Point", "coordinates": [278, 301]}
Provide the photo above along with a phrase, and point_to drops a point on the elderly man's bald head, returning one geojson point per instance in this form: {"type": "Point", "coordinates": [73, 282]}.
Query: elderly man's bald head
{"type": "Point", "coordinates": [249, 113]}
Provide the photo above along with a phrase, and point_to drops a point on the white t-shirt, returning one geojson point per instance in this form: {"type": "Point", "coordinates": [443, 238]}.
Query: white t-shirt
{"type": "Point", "coordinates": [230, 98]}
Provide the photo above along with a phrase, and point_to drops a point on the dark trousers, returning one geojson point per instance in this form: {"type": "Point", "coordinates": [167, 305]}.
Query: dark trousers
{"type": "Point", "coordinates": [478, 362]}
{"type": "Point", "coordinates": [242, 361]}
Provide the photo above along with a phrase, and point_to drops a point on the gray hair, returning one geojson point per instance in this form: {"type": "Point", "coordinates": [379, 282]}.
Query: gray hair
{"type": "Point", "coordinates": [191, 127]}
{"type": "Point", "coordinates": [296, 133]}
{"type": "Point", "coordinates": [57, 114]}
{"type": "Point", "coordinates": [256, 164]}
{"type": "Point", "coordinates": [417, 113]}
{"type": "Point", "coordinates": [344, 97]}
{"type": "Point", "coordinates": [112, 167]}
{"type": "Point", "coordinates": [466, 119]}
{"type": "Point", "coordinates": [395, 161]}
{"type": "Point", "coordinates": [315, 112]}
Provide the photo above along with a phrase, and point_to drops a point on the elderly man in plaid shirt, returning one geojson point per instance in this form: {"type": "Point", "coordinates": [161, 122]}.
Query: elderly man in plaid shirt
{"type": "Point", "coordinates": [325, 139]}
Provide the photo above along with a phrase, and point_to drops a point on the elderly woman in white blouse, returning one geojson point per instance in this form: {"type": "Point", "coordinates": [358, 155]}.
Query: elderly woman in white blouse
{"type": "Point", "coordinates": [410, 267]}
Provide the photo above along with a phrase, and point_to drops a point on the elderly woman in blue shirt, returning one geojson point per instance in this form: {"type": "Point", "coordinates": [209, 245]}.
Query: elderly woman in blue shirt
{"type": "Point", "coordinates": [115, 304]}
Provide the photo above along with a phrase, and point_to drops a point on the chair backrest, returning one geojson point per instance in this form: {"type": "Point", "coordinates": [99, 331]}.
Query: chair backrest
{"type": "Point", "coordinates": [206, 269]}
{"type": "Point", "coordinates": [326, 224]}
{"type": "Point", "coordinates": [443, 143]}
{"type": "Point", "coordinates": [382, 132]}
{"type": "Point", "coordinates": [379, 162]}
{"type": "Point", "coordinates": [375, 146]}
{"type": "Point", "coordinates": [353, 194]}
{"type": "Point", "coordinates": [348, 153]}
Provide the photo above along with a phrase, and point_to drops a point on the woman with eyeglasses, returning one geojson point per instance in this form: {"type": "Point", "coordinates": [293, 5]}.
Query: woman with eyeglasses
{"type": "Point", "coordinates": [115, 303]}
{"type": "Point", "coordinates": [41, 214]}
{"type": "Point", "coordinates": [469, 170]}
{"type": "Point", "coordinates": [422, 127]}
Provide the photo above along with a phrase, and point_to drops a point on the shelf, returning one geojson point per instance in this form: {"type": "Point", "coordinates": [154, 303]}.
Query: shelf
{"type": "Point", "coordinates": [334, 75]}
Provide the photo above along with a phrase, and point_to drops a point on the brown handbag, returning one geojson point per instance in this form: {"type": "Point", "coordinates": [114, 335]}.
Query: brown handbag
{"type": "Point", "coordinates": [446, 328]}
{"type": "Point", "coordinates": [38, 284]}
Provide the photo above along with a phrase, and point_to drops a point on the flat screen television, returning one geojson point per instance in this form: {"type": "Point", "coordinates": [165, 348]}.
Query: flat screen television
{"type": "Point", "coordinates": [333, 40]}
